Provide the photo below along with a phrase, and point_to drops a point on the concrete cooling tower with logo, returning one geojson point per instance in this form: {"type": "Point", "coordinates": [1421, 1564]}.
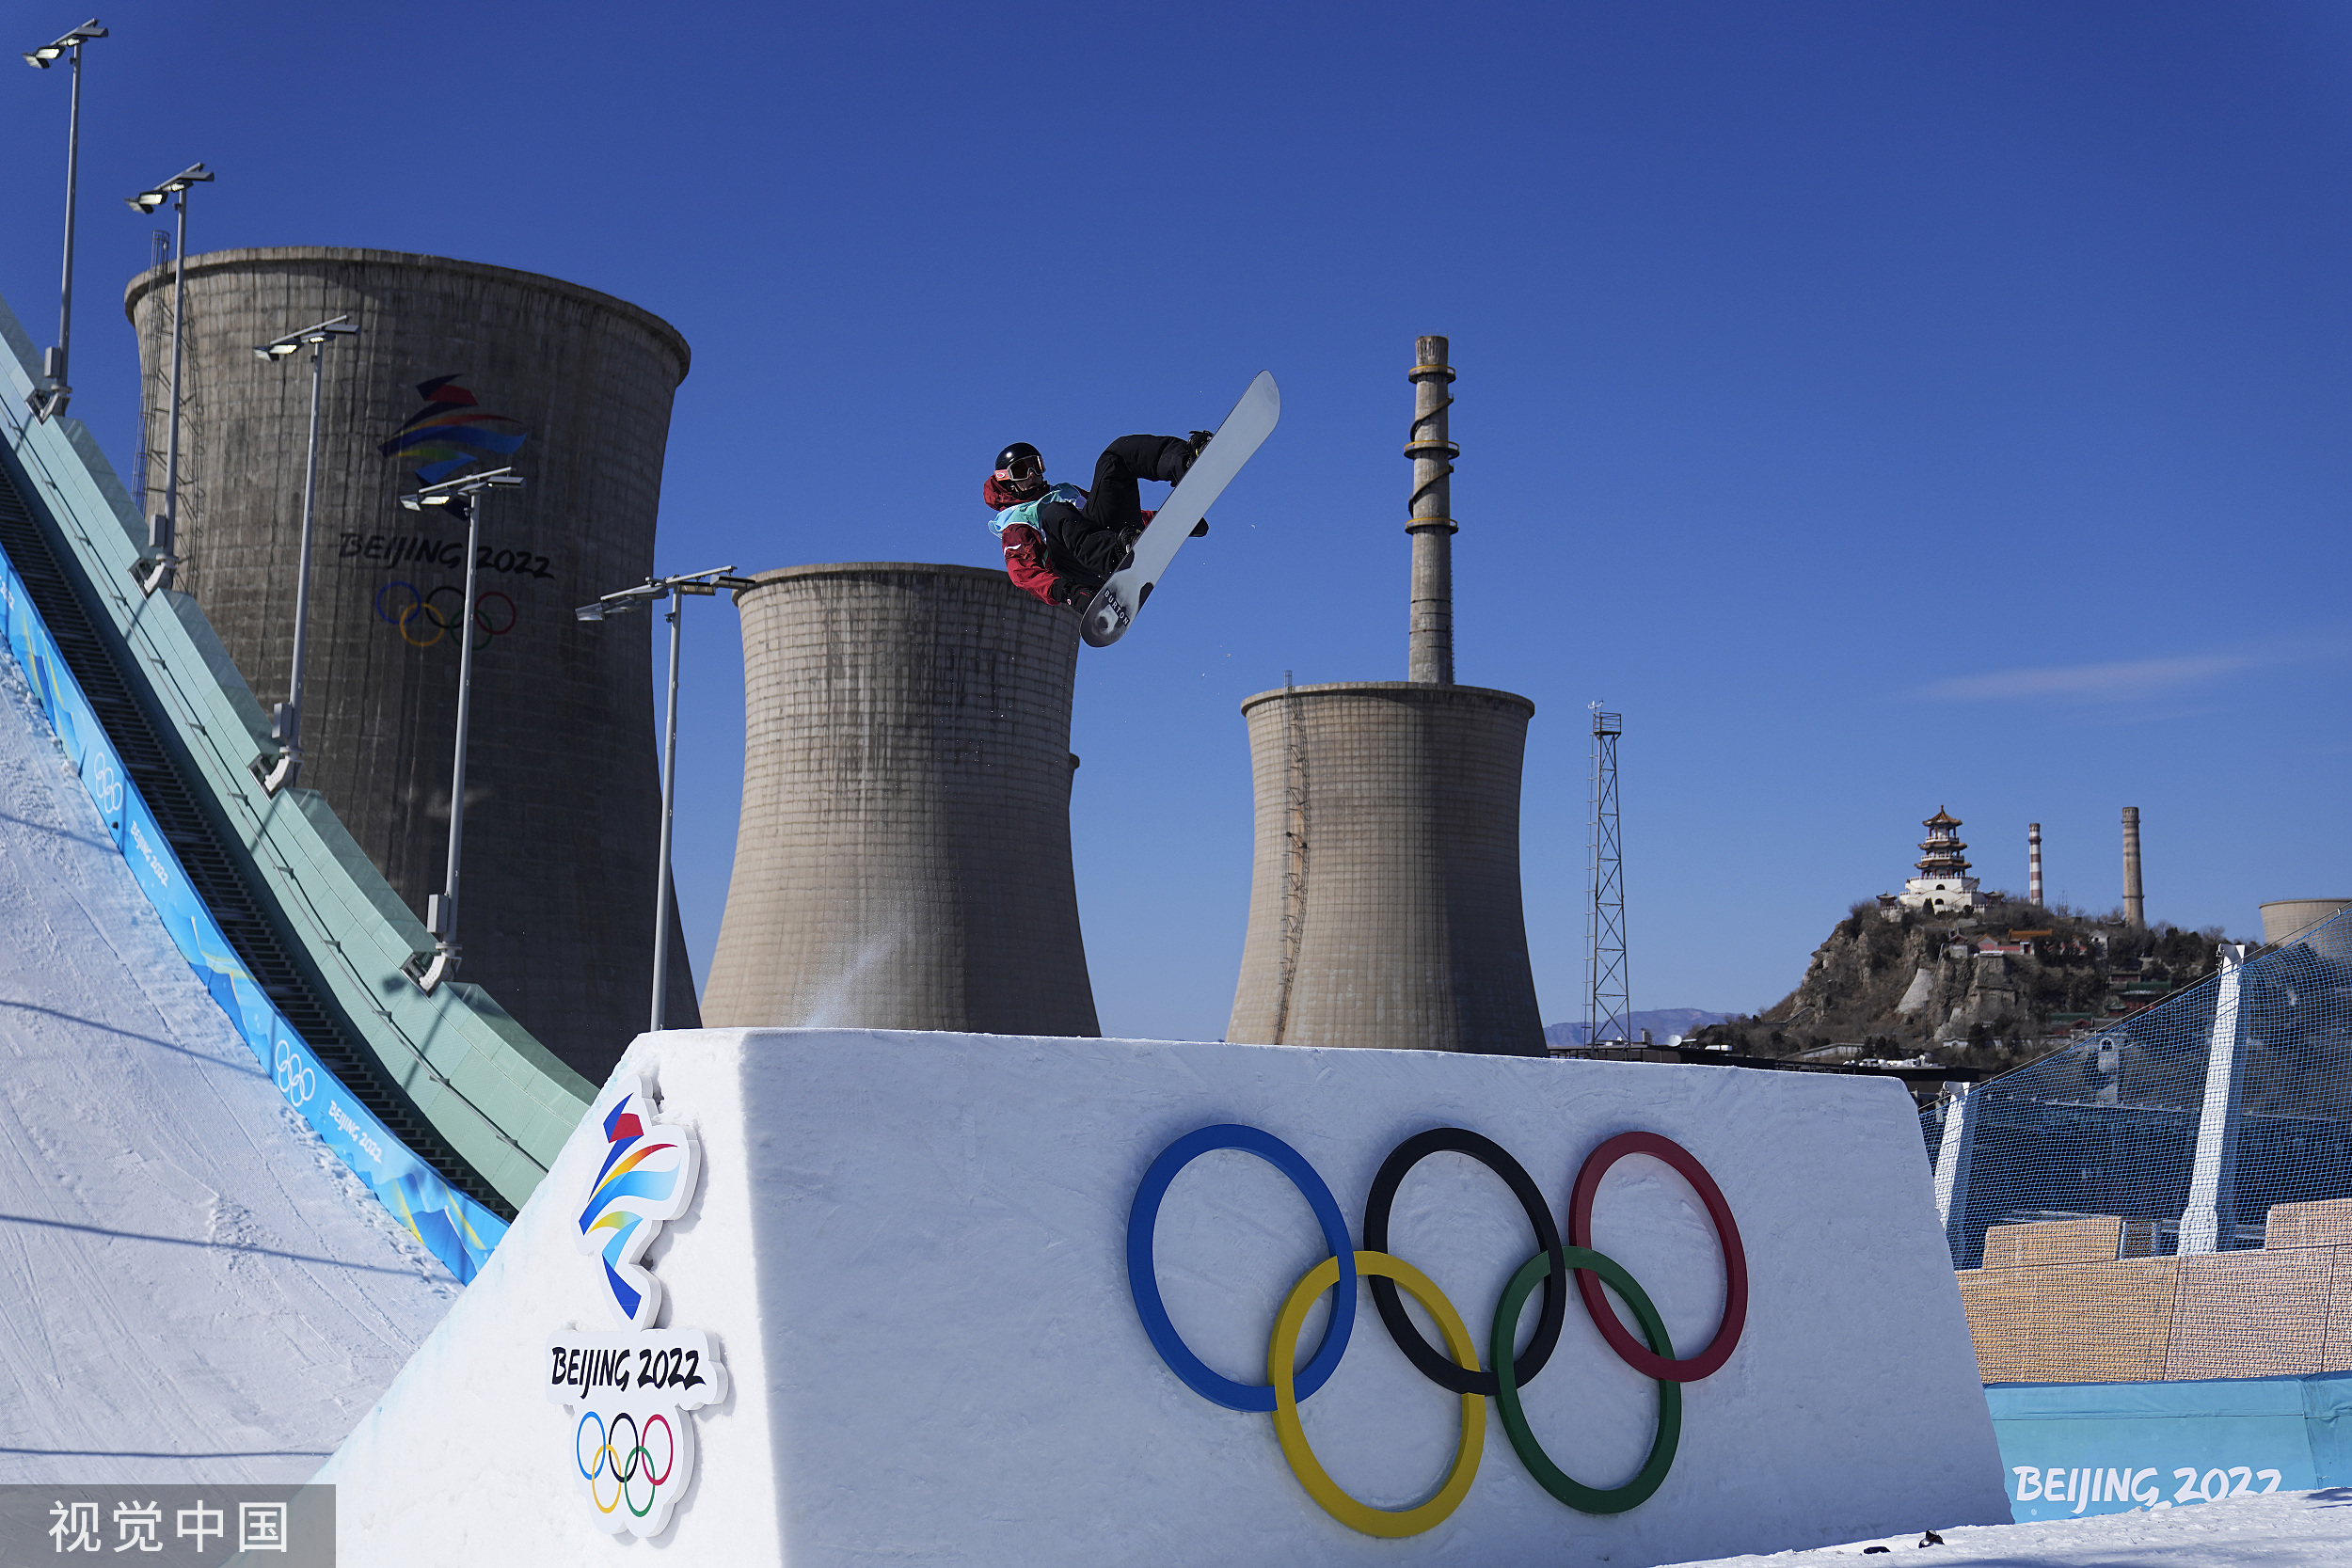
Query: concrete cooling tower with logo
{"type": "Point", "coordinates": [458, 367]}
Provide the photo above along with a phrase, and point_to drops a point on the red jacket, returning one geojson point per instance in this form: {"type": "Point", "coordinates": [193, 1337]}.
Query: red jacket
{"type": "Point", "coordinates": [1024, 561]}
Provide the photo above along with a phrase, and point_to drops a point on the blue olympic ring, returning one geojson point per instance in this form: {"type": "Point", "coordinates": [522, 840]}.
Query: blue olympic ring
{"type": "Point", "coordinates": [1144, 1280]}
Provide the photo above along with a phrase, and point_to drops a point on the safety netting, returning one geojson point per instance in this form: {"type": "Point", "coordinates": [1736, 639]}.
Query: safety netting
{"type": "Point", "coordinates": [2189, 1118]}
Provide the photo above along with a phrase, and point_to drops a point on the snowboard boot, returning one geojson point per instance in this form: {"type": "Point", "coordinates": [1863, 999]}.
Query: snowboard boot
{"type": "Point", "coordinates": [1199, 529]}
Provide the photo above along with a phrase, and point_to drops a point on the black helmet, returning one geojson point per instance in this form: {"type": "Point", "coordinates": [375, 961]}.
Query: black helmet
{"type": "Point", "coordinates": [1020, 461]}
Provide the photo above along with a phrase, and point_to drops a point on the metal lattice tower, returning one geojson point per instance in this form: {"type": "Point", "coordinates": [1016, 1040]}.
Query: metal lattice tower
{"type": "Point", "coordinates": [1608, 1014]}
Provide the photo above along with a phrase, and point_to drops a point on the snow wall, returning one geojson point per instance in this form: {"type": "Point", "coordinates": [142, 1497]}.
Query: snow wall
{"type": "Point", "coordinates": [500, 1100]}
{"type": "Point", "coordinates": [893, 1317]}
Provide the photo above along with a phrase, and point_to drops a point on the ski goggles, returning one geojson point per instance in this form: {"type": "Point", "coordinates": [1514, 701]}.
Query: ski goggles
{"type": "Point", "coordinates": [1024, 468]}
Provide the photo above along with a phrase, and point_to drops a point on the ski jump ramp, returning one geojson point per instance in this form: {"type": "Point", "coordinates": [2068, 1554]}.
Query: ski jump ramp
{"type": "Point", "coordinates": [837, 1296]}
{"type": "Point", "coordinates": [199, 1290]}
{"type": "Point", "coordinates": [450, 1110]}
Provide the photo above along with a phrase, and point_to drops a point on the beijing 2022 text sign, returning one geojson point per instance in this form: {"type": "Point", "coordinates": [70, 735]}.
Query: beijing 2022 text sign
{"type": "Point", "coordinates": [1457, 1368]}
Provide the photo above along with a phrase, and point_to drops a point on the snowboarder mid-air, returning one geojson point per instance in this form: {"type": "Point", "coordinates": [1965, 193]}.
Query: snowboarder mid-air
{"type": "Point", "coordinates": [1062, 542]}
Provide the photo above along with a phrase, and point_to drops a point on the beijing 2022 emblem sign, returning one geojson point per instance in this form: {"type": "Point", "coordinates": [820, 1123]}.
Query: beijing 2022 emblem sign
{"type": "Point", "coordinates": [633, 1443]}
{"type": "Point", "coordinates": [1457, 1368]}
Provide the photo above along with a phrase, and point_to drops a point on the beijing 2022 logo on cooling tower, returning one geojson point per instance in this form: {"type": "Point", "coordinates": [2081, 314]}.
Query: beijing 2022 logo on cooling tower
{"type": "Point", "coordinates": [1283, 1389]}
{"type": "Point", "coordinates": [633, 1444]}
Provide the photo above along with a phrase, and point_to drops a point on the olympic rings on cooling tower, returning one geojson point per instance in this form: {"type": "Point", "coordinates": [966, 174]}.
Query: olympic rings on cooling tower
{"type": "Point", "coordinates": [423, 620]}
{"type": "Point", "coordinates": [627, 1468]}
{"type": "Point", "coordinates": [1457, 1370]}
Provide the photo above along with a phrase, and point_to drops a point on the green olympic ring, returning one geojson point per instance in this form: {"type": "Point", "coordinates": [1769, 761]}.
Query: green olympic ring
{"type": "Point", "coordinates": [1586, 1499]}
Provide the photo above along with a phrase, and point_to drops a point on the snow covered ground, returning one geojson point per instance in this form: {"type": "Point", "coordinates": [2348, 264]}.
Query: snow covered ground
{"type": "Point", "coordinates": [194, 1288]}
{"type": "Point", "coordinates": [2292, 1530]}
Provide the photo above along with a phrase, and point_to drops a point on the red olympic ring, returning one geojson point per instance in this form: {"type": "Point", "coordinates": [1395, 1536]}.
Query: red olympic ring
{"type": "Point", "coordinates": [1629, 1348]}
{"type": "Point", "coordinates": [667, 1464]}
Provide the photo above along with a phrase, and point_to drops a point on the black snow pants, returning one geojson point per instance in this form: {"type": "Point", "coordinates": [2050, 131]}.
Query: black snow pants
{"type": "Point", "coordinates": [1088, 544]}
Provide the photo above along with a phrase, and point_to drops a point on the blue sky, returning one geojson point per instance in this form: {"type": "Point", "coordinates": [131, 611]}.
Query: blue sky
{"type": "Point", "coordinates": [1883, 406]}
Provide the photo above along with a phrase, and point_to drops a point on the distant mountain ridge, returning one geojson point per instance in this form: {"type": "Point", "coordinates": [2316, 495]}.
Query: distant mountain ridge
{"type": "Point", "coordinates": [1663, 1022]}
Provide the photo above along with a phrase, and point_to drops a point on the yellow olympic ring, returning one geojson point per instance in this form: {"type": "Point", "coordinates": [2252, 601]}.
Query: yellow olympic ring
{"type": "Point", "coordinates": [419, 609]}
{"type": "Point", "coordinates": [1310, 1474]}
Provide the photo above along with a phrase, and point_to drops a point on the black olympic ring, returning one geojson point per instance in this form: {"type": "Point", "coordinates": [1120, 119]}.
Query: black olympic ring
{"type": "Point", "coordinates": [1438, 1368]}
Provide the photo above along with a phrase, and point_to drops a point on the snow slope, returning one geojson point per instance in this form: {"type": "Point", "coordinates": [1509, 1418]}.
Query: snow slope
{"type": "Point", "coordinates": [2292, 1529]}
{"type": "Point", "coordinates": [194, 1288]}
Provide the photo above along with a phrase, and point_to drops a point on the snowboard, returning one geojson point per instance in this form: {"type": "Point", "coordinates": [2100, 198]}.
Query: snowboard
{"type": "Point", "coordinates": [1118, 602]}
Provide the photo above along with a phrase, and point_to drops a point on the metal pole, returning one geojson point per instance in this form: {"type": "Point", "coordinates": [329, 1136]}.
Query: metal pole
{"type": "Point", "coordinates": [669, 802]}
{"type": "Point", "coordinates": [168, 545]}
{"type": "Point", "coordinates": [55, 402]}
{"type": "Point", "coordinates": [289, 726]}
{"type": "Point", "coordinates": [446, 930]}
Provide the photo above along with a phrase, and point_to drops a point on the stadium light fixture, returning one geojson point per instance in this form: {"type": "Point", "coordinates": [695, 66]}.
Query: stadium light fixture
{"type": "Point", "coordinates": [465, 493]}
{"type": "Point", "coordinates": [286, 721]}
{"type": "Point", "coordinates": [48, 52]}
{"type": "Point", "coordinates": [50, 398]}
{"type": "Point", "coordinates": [652, 590]}
{"type": "Point", "coordinates": [162, 560]}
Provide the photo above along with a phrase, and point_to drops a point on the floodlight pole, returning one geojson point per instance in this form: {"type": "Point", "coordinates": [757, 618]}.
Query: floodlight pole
{"type": "Point", "coordinates": [286, 722]}
{"type": "Point", "coordinates": [441, 908]}
{"type": "Point", "coordinates": [676, 590]}
{"type": "Point", "coordinates": [165, 540]}
{"type": "Point", "coordinates": [52, 396]}
{"type": "Point", "coordinates": [668, 806]}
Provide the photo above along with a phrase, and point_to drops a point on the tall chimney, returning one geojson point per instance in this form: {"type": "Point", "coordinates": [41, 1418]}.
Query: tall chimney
{"type": "Point", "coordinates": [2134, 907]}
{"type": "Point", "coordinates": [1432, 525]}
{"type": "Point", "coordinates": [2033, 864]}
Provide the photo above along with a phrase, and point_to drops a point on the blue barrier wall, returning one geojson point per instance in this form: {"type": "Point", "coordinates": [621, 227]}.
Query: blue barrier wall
{"type": "Point", "coordinates": [2073, 1449]}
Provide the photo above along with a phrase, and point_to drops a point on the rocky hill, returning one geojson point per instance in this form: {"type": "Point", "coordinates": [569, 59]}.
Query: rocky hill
{"type": "Point", "coordinates": [1982, 993]}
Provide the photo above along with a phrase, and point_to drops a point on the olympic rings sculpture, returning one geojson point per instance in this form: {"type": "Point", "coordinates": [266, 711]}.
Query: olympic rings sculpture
{"type": "Point", "coordinates": [625, 1467]}
{"type": "Point", "coordinates": [1457, 1368]}
{"type": "Point", "coordinates": [419, 610]}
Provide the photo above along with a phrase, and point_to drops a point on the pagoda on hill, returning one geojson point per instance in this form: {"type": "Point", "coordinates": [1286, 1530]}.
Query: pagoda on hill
{"type": "Point", "coordinates": [1942, 885]}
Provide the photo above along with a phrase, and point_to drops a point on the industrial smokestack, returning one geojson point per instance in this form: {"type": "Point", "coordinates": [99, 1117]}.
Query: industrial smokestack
{"type": "Point", "coordinates": [1431, 510]}
{"type": "Point", "coordinates": [2134, 907]}
{"type": "Point", "coordinates": [2033, 864]}
{"type": "Point", "coordinates": [1385, 902]}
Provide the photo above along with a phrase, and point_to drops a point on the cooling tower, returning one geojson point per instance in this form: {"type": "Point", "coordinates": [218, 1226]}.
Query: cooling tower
{"type": "Point", "coordinates": [2285, 918]}
{"type": "Point", "coordinates": [903, 861]}
{"type": "Point", "coordinates": [490, 367]}
{"type": "Point", "coordinates": [1384, 901]}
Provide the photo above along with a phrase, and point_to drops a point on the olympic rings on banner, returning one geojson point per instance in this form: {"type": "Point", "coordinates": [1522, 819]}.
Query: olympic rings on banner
{"type": "Point", "coordinates": [1460, 1371]}
{"type": "Point", "coordinates": [1719, 1349]}
{"type": "Point", "coordinates": [1437, 1368]}
{"type": "Point", "coordinates": [423, 620]}
{"type": "Point", "coordinates": [1346, 1510]}
{"type": "Point", "coordinates": [1144, 1280]}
